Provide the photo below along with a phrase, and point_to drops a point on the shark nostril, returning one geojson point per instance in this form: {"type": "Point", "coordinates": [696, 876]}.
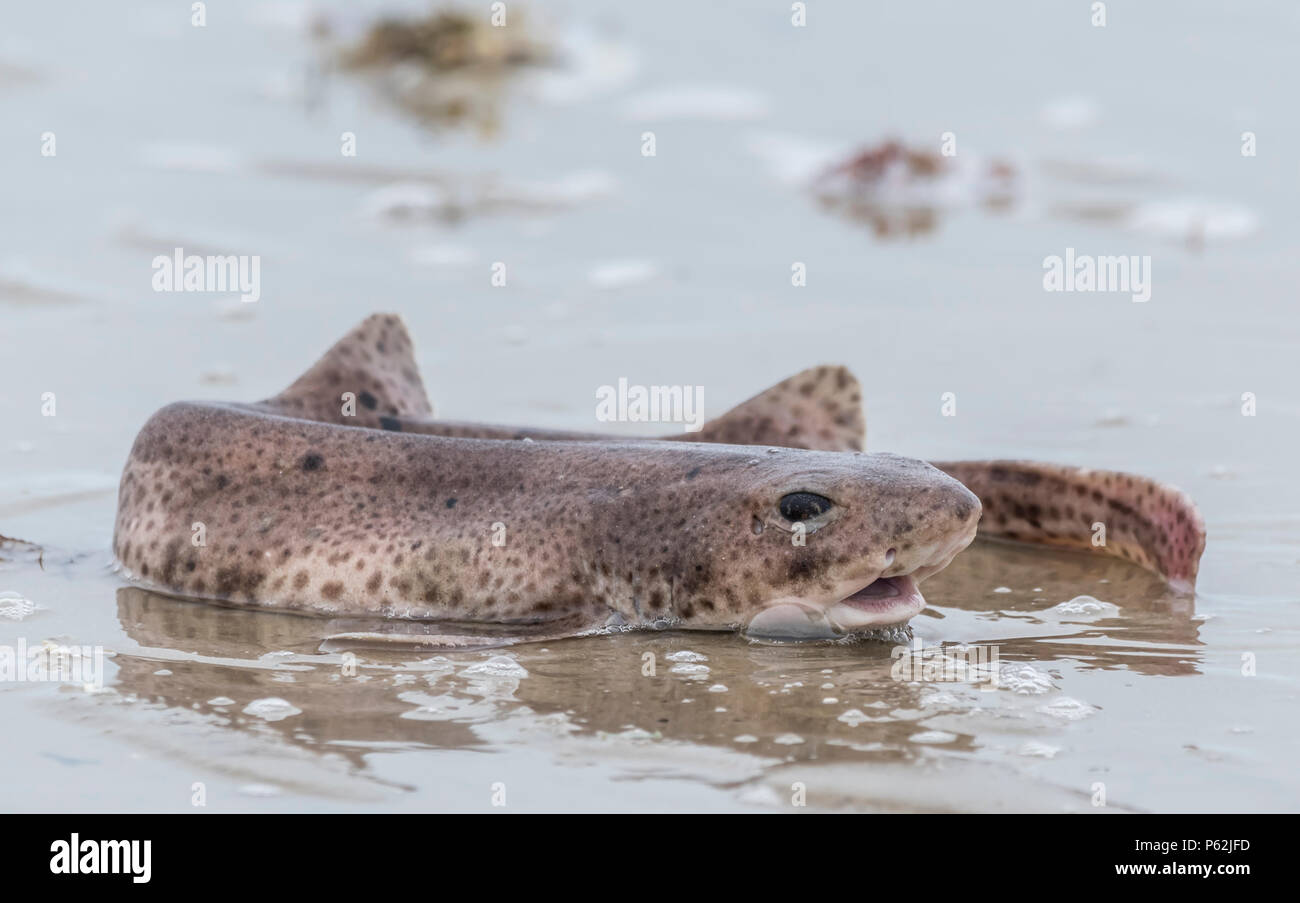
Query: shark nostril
{"type": "Point", "coordinates": [890, 556]}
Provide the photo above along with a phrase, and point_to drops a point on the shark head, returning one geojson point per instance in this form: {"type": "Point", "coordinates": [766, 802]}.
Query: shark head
{"type": "Point", "coordinates": [792, 542]}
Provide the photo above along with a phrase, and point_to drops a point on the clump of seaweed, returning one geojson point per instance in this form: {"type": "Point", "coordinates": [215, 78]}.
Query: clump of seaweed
{"type": "Point", "coordinates": [902, 190]}
{"type": "Point", "coordinates": [449, 68]}
{"type": "Point", "coordinates": [23, 549]}
{"type": "Point", "coordinates": [446, 41]}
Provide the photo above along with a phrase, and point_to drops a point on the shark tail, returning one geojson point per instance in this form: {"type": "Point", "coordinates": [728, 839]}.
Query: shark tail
{"type": "Point", "coordinates": [368, 376]}
{"type": "Point", "coordinates": [817, 408]}
{"type": "Point", "coordinates": [1121, 514]}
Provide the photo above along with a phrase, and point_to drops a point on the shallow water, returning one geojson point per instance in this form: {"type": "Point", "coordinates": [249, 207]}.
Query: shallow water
{"type": "Point", "coordinates": [670, 269]}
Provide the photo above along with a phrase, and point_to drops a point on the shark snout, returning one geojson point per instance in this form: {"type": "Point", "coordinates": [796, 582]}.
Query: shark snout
{"type": "Point", "coordinates": [941, 520]}
{"type": "Point", "coordinates": [903, 521]}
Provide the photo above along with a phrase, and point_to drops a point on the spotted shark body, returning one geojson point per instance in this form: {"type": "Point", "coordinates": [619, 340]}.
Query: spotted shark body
{"type": "Point", "coordinates": [343, 496]}
{"type": "Point", "coordinates": [293, 504]}
{"type": "Point", "coordinates": [1125, 515]}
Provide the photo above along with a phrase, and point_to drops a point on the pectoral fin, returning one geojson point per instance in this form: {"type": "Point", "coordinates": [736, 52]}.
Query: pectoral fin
{"type": "Point", "coordinates": [1132, 517]}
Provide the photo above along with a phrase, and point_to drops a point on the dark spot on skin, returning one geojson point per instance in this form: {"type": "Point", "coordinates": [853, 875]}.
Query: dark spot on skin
{"type": "Point", "coordinates": [805, 567]}
{"type": "Point", "coordinates": [451, 503]}
{"type": "Point", "coordinates": [390, 423]}
{"type": "Point", "coordinates": [312, 462]}
{"type": "Point", "coordinates": [232, 580]}
{"type": "Point", "coordinates": [222, 481]}
{"type": "Point", "coordinates": [692, 473]}
{"type": "Point", "coordinates": [368, 400]}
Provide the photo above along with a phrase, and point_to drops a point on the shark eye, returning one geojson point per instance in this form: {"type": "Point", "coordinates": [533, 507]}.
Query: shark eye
{"type": "Point", "coordinates": [799, 506]}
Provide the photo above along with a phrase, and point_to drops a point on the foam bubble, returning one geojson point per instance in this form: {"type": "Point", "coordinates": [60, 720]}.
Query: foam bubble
{"type": "Point", "coordinates": [14, 607]}
{"type": "Point", "coordinates": [1086, 607]}
{"type": "Point", "coordinates": [496, 666]}
{"type": "Point", "coordinates": [271, 708]}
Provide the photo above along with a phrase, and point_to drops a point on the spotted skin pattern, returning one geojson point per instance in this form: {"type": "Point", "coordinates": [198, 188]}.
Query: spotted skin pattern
{"type": "Point", "coordinates": [303, 507]}
{"type": "Point", "coordinates": [819, 408]}
{"type": "Point", "coordinates": [386, 511]}
{"type": "Point", "coordinates": [315, 517]}
{"type": "Point", "coordinates": [1149, 523]}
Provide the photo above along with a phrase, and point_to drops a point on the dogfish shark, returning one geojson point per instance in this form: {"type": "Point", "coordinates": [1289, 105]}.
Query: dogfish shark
{"type": "Point", "coordinates": [344, 497]}
{"type": "Point", "coordinates": [1149, 523]}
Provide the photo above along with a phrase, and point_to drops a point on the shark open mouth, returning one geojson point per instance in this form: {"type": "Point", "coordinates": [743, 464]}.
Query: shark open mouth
{"type": "Point", "coordinates": [881, 604]}
{"type": "Point", "coordinates": [886, 600]}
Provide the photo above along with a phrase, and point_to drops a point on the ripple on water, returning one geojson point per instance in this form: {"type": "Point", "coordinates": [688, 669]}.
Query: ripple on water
{"type": "Point", "coordinates": [690, 670]}
{"type": "Point", "coordinates": [939, 698]}
{"type": "Point", "coordinates": [259, 790]}
{"type": "Point", "coordinates": [1068, 709]}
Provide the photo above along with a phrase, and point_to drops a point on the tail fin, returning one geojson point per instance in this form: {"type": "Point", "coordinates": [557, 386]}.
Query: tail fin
{"type": "Point", "coordinates": [818, 408]}
{"type": "Point", "coordinates": [375, 364]}
{"type": "Point", "coordinates": [1149, 523]}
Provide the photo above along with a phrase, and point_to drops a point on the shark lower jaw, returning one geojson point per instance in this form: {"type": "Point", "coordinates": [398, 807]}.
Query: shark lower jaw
{"type": "Point", "coordinates": [879, 602]}
{"type": "Point", "coordinates": [884, 601]}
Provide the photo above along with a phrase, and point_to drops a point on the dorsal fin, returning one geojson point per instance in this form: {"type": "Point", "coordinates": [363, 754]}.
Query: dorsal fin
{"type": "Point", "coordinates": [375, 362]}
{"type": "Point", "coordinates": [818, 408]}
{"type": "Point", "coordinates": [1149, 523]}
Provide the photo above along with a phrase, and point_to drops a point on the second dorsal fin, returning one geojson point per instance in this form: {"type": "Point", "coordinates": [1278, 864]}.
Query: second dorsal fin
{"type": "Point", "coordinates": [818, 408]}
{"type": "Point", "coordinates": [374, 365]}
